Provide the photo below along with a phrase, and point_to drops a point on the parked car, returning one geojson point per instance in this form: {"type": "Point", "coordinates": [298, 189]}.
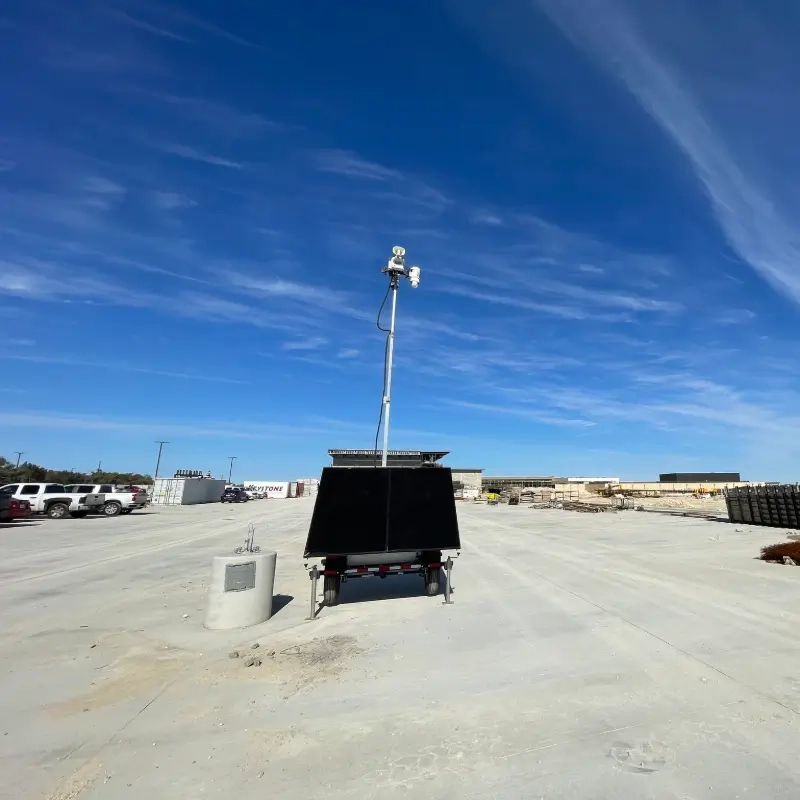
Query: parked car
{"type": "Point", "coordinates": [53, 499]}
{"type": "Point", "coordinates": [117, 501]}
{"type": "Point", "coordinates": [234, 495]}
{"type": "Point", "coordinates": [11, 508]}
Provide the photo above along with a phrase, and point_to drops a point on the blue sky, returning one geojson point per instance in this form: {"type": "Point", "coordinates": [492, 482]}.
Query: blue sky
{"type": "Point", "coordinates": [196, 200]}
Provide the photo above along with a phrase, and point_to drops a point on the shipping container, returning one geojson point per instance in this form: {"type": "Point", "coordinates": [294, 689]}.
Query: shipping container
{"type": "Point", "coordinates": [186, 491]}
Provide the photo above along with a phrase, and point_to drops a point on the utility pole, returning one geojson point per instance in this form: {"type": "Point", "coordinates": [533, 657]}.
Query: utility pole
{"type": "Point", "coordinates": [396, 269]}
{"type": "Point", "coordinates": [18, 454]}
{"type": "Point", "coordinates": [158, 462]}
{"type": "Point", "coordinates": [230, 471]}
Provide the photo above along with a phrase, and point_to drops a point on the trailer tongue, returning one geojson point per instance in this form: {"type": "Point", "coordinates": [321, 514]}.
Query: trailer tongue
{"type": "Point", "coordinates": [382, 521]}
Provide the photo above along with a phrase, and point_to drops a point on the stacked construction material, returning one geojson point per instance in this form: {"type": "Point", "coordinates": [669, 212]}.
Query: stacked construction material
{"type": "Point", "coordinates": [589, 508]}
{"type": "Point", "coordinates": [776, 506]}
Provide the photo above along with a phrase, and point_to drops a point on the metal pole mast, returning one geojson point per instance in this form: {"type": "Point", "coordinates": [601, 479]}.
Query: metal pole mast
{"type": "Point", "coordinates": [158, 461]}
{"type": "Point", "coordinates": [19, 455]}
{"type": "Point", "coordinates": [230, 471]}
{"type": "Point", "coordinates": [387, 397]}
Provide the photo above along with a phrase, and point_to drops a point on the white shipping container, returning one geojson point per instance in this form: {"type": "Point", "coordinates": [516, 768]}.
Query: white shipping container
{"type": "Point", "coordinates": [271, 489]}
{"type": "Point", "coordinates": [186, 491]}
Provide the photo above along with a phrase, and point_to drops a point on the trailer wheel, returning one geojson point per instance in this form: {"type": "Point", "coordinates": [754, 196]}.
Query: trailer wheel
{"type": "Point", "coordinates": [432, 581]}
{"type": "Point", "coordinates": [331, 586]}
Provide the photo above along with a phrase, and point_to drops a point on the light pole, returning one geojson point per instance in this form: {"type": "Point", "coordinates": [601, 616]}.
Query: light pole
{"type": "Point", "coordinates": [158, 461]}
{"type": "Point", "coordinates": [230, 471]}
{"type": "Point", "coordinates": [395, 269]}
{"type": "Point", "coordinates": [18, 454]}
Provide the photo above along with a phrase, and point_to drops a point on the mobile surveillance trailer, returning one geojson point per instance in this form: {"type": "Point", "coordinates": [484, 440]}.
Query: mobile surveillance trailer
{"type": "Point", "coordinates": [382, 521]}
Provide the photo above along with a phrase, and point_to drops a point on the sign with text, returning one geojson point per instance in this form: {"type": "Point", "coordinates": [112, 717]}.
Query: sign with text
{"type": "Point", "coordinates": [271, 489]}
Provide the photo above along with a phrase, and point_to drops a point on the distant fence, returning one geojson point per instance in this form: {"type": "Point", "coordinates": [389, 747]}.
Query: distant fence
{"type": "Point", "coordinates": [777, 506]}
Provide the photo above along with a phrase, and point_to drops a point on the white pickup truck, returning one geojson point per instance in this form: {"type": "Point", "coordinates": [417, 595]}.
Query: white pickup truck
{"type": "Point", "coordinates": [117, 501]}
{"type": "Point", "coordinates": [55, 500]}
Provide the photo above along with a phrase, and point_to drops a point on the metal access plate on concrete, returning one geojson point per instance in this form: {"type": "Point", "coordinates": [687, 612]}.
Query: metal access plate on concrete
{"type": "Point", "coordinates": [239, 577]}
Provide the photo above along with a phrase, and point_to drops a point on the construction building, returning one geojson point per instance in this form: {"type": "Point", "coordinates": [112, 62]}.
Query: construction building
{"type": "Point", "coordinates": [700, 477]}
{"type": "Point", "coordinates": [467, 482]}
{"type": "Point", "coordinates": [499, 483]}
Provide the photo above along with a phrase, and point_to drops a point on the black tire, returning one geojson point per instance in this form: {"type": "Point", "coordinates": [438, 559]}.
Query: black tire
{"type": "Point", "coordinates": [57, 511]}
{"type": "Point", "coordinates": [78, 514]}
{"type": "Point", "coordinates": [112, 508]}
{"type": "Point", "coordinates": [330, 589]}
{"type": "Point", "coordinates": [432, 581]}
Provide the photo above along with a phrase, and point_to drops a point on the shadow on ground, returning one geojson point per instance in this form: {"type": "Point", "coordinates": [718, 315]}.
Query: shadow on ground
{"type": "Point", "coordinates": [21, 523]}
{"type": "Point", "coordinates": [394, 587]}
{"type": "Point", "coordinates": [280, 601]}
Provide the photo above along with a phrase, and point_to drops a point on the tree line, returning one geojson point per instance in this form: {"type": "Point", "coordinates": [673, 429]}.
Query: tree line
{"type": "Point", "coordinates": [33, 473]}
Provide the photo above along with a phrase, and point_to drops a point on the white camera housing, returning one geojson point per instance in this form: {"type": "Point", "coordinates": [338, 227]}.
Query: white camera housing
{"type": "Point", "coordinates": [398, 251]}
{"type": "Point", "coordinates": [413, 276]}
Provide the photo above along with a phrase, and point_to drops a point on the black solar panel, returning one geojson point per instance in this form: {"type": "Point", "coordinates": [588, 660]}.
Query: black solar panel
{"type": "Point", "coordinates": [377, 510]}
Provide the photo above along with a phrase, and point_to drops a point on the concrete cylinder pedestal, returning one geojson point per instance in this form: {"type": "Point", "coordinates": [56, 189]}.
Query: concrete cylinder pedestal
{"type": "Point", "coordinates": [241, 588]}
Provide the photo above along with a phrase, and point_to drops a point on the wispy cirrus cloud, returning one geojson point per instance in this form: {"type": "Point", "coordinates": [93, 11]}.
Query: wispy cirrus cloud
{"type": "Point", "coordinates": [103, 193]}
{"type": "Point", "coordinates": [350, 165]}
{"type": "Point", "coordinates": [333, 300]}
{"type": "Point", "coordinates": [170, 12]}
{"type": "Point", "coordinates": [748, 196]}
{"type": "Point", "coordinates": [170, 201]}
{"type": "Point", "coordinates": [516, 301]}
{"type": "Point", "coordinates": [480, 217]}
{"type": "Point", "coordinates": [195, 154]}
{"type": "Point", "coordinates": [212, 113]}
{"type": "Point", "coordinates": [311, 343]}
{"type": "Point", "coordinates": [141, 24]}
{"type": "Point", "coordinates": [119, 366]}
{"type": "Point", "coordinates": [43, 281]}
{"type": "Point", "coordinates": [525, 413]}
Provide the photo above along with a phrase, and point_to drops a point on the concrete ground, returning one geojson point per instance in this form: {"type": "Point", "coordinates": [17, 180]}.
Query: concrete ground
{"type": "Point", "coordinates": [592, 656]}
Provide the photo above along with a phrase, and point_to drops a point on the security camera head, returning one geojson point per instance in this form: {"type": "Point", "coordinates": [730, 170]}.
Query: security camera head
{"type": "Point", "coordinates": [398, 251]}
{"type": "Point", "coordinates": [413, 276]}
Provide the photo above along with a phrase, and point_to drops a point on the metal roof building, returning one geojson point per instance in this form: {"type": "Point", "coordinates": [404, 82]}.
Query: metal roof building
{"type": "Point", "coordinates": [501, 482]}
{"type": "Point", "coordinates": [395, 458]}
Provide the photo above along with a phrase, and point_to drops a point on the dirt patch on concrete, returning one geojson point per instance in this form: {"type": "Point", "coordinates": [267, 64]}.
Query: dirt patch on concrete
{"type": "Point", "coordinates": [319, 660]}
{"type": "Point", "coordinates": [75, 785]}
{"type": "Point", "coordinates": [139, 673]}
{"type": "Point", "coordinates": [296, 667]}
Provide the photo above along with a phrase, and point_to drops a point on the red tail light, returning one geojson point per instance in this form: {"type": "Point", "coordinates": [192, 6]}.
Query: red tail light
{"type": "Point", "coordinates": [15, 504]}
